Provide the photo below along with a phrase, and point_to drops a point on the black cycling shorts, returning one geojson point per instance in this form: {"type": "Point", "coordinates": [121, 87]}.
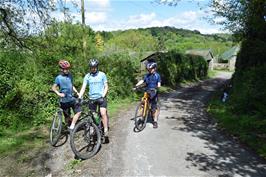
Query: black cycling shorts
{"type": "Point", "coordinates": [153, 99]}
{"type": "Point", "coordinates": [102, 102]}
{"type": "Point", "coordinates": [68, 106]}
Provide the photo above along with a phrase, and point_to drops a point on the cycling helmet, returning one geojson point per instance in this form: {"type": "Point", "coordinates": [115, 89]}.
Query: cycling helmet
{"type": "Point", "coordinates": [93, 63]}
{"type": "Point", "coordinates": [151, 65]}
{"type": "Point", "coordinates": [63, 64]}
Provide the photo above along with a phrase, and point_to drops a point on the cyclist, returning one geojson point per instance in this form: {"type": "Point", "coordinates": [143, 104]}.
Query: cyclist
{"type": "Point", "coordinates": [65, 83]}
{"type": "Point", "coordinates": [153, 81]}
{"type": "Point", "coordinates": [98, 88]}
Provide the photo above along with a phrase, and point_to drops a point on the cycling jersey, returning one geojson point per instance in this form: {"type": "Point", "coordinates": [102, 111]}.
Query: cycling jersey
{"type": "Point", "coordinates": [152, 80]}
{"type": "Point", "coordinates": [96, 84]}
{"type": "Point", "coordinates": [65, 84]}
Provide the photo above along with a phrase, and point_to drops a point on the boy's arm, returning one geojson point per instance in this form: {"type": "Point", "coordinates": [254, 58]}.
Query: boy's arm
{"type": "Point", "coordinates": [83, 88]}
{"type": "Point", "coordinates": [105, 89]}
{"type": "Point", "coordinates": [139, 83]}
{"type": "Point", "coordinates": [54, 88]}
{"type": "Point", "coordinates": [75, 90]}
{"type": "Point", "coordinates": [159, 81]}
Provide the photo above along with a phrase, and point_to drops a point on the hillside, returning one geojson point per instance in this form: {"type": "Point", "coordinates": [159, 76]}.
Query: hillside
{"type": "Point", "coordinates": [166, 38]}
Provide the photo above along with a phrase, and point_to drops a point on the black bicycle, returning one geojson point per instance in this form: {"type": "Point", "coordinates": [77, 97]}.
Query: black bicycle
{"type": "Point", "coordinates": [88, 134]}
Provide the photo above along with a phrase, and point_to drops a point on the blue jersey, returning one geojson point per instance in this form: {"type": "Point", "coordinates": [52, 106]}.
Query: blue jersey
{"type": "Point", "coordinates": [96, 84]}
{"type": "Point", "coordinates": [152, 80]}
{"type": "Point", "coordinates": [65, 84]}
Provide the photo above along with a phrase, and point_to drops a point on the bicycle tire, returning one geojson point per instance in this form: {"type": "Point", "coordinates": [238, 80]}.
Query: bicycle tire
{"type": "Point", "coordinates": [56, 127]}
{"type": "Point", "coordinates": [83, 137]}
{"type": "Point", "coordinates": [140, 121]}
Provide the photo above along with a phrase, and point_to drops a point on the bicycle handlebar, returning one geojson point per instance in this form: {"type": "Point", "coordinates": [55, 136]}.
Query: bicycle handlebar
{"type": "Point", "coordinates": [143, 89]}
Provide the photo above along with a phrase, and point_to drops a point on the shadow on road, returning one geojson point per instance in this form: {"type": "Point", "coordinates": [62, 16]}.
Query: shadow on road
{"type": "Point", "coordinates": [228, 157]}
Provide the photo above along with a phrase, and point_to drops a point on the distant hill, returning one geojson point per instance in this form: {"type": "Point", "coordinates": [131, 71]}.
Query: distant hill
{"type": "Point", "coordinates": [167, 38]}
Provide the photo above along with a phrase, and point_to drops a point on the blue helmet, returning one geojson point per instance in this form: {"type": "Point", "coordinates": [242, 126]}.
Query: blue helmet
{"type": "Point", "coordinates": [151, 65]}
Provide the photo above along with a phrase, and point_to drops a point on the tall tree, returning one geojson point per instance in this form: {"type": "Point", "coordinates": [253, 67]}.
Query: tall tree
{"type": "Point", "coordinates": [20, 18]}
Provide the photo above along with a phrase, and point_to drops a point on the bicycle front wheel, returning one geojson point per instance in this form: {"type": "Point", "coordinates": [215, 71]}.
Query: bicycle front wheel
{"type": "Point", "coordinates": [140, 117]}
{"type": "Point", "coordinates": [85, 140]}
{"type": "Point", "coordinates": [56, 127]}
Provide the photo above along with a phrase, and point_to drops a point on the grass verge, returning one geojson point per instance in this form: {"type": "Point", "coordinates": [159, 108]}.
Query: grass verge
{"type": "Point", "coordinates": [12, 141]}
{"type": "Point", "coordinates": [248, 129]}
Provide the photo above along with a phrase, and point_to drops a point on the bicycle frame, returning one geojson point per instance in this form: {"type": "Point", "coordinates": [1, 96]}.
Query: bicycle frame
{"type": "Point", "coordinates": [145, 100]}
{"type": "Point", "coordinates": [89, 113]}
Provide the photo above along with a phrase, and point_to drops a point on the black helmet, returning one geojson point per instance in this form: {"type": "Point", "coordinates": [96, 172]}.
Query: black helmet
{"type": "Point", "coordinates": [93, 63]}
{"type": "Point", "coordinates": [151, 65]}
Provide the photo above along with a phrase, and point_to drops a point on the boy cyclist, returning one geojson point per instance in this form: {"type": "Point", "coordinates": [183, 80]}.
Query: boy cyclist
{"type": "Point", "coordinates": [64, 81]}
{"type": "Point", "coordinates": [153, 81]}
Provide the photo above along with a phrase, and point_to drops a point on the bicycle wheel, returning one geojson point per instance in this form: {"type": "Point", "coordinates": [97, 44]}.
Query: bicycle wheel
{"type": "Point", "coordinates": [85, 140]}
{"type": "Point", "coordinates": [140, 117]}
{"type": "Point", "coordinates": [56, 127]}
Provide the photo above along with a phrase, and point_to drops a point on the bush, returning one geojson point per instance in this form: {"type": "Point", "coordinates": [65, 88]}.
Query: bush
{"type": "Point", "coordinates": [248, 94]}
{"type": "Point", "coordinates": [175, 67]}
{"type": "Point", "coordinates": [120, 69]}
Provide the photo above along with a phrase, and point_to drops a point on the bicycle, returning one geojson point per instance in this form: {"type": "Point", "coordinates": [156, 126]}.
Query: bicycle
{"type": "Point", "coordinates": [88, 134]}
{"type": "Point", "coordinates": [143, 111]}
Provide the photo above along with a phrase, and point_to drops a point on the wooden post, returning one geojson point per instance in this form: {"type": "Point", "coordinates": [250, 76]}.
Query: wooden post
{"type": "Point", "coordinates": [83, 27]}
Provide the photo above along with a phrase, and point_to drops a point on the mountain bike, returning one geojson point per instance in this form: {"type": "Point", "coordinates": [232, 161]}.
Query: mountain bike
{"type": "Point", "coordinates": [143, 110]}
{"type": "Point", "coordinates": [88, 134]}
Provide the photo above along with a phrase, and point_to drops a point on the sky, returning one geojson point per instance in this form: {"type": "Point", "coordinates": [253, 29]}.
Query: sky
{"type": "Point", "coordinates": [109, 15]}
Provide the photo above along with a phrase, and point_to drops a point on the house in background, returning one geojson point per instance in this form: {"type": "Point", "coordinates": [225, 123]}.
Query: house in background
{"type": "Point", "coordinates": [205, 53]}
{"type": "Point", "coordinates": [228, 58]}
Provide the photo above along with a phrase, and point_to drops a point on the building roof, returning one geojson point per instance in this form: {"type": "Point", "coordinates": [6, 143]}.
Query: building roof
{"type": "Point", "coordinates": [205, 53]}
{"type": "Point", "coordinates": [227, 55]}
{"type": "Point", "coordinates": [151, 55]}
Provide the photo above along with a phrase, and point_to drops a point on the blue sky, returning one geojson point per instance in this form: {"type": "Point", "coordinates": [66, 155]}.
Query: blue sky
{"type": "Point", "coordinates": [108, 15]}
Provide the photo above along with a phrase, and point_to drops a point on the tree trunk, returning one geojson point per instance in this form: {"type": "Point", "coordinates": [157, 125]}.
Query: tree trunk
{"type": "Point", "coordinates": [83, 27]}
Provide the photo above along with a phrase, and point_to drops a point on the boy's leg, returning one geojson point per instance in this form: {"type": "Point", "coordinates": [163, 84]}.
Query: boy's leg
{"type": "Point", "coordinates": [155, 111]}
{"type": "Point", "coordinates": [105, 119]}
{"type": "Point", "coordinates": [66, 112]}
{"type": "Point", "coordinates": [77, 110]}
{"type": "Point", "coordinates": [103, 110]}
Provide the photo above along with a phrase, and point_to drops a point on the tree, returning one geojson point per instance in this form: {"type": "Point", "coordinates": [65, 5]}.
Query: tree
{"type": "Point", "coordinates": [99, 42]}
{"type": "Point", "coordinates": [246, 19]}
{"type": "Point", "coordinates": [16, 23]}
{"type": "Point", "coordinates": [139, 41]}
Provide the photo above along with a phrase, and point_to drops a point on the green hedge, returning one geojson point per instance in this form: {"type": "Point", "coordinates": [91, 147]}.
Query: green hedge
{"type": "Point", "coordinates": [175, 67]}
{"type": "Point", "coordinates": [249, 93]}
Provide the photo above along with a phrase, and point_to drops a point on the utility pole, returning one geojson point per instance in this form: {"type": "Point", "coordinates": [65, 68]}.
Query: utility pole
{"type": "Point", "coordinates": [83, 29]}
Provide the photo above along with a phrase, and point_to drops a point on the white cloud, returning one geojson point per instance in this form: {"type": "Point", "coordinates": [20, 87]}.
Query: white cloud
{"type": "Point", "coordinates": [90, 17]}
{"type": "Point", "coordinates": [95, 17]}
{"type": "Point", "coordinates": [141, 19]}
{"type": "Point", "coordinates": [101, 3]}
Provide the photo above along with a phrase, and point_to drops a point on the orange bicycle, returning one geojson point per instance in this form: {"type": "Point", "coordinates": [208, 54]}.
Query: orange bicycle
{"type": "Point", "coordinates": [143, 112]}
